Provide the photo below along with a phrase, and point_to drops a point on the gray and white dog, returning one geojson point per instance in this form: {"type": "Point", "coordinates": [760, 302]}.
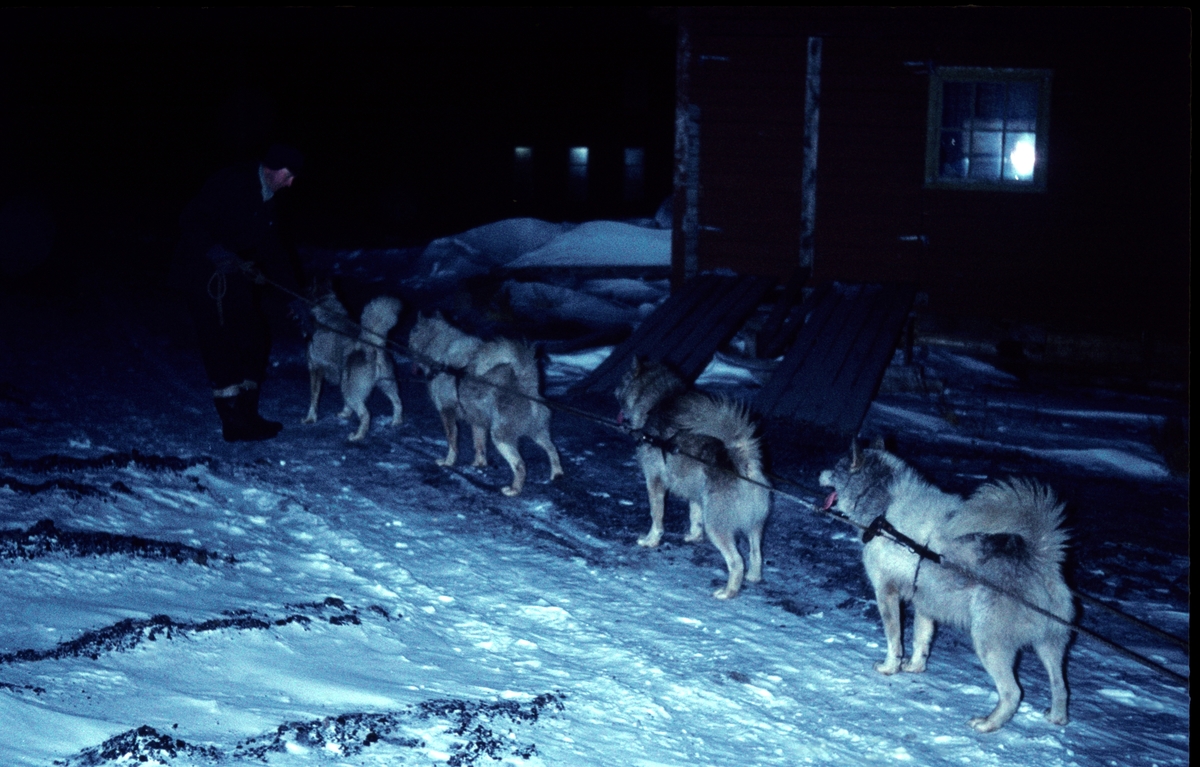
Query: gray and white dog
{"type": "Point", "coordinates": [333, 335]}
{"type": "Point", "coordinates": [492, 385]}
{"type": "Point", "coordinates": [369, 365]}
{"type": "Point", "coordinates": [700, 444]}
{"type": "Point", "coordinates": [1008, 533]}
{"type": "Point", "coordinates": [354, 357]}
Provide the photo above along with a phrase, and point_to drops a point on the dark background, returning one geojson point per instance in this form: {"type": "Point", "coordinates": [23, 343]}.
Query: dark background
{"type": "Point", "coordinates": [110, 120]}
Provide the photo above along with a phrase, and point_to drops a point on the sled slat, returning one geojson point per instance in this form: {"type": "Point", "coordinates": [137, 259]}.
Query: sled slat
{"type": "Point", "coordinates": [685, 331]}
{"type": "Point", "coordinates": [827, 379]}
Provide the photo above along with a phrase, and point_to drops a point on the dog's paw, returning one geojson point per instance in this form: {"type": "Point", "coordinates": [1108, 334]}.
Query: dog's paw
{"type": "Point", "coordinates": [888, 667]}
{"type": "Point", "coordinates": [556, 475]}
{"type": "Point", "coordinates": [355, 437]}
{"type": "Point", "coordinates": [984, 724]}
{"type": "Point", "coordinates": [725, 593]}
{"type": "Point", "coordinates": [310, 418]}
{"type": "Point", "coordinates": [447, 462]}
{"type": "Point", "coordinates": [650, 540]}
{"type": "Point", "coordinates": [914, 667]}
{"type": "Point", "coordinates": [1059, 719]}
{"type": "Point", "coordinates": [753, 577]}
{"type": "Point", "coordinates": [694, 535]}
{"type": "Point", "coordinates": [479, 462]}
{"type": "Point", "coordinates": [510, 491]}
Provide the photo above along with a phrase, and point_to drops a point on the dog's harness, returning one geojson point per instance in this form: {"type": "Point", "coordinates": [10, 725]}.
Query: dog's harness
{"type": "Point", "coordinates": [881, 525]}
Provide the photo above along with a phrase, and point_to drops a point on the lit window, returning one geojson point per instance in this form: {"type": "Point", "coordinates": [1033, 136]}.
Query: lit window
{"type": "Point", "coordinates": [522, 173]}
{"type": "Point", "coordinates": [577, 173]}
{"type": "Point", "coordinates": [635, 173]}
{"type": "Point", "coordinates": [987, 128]}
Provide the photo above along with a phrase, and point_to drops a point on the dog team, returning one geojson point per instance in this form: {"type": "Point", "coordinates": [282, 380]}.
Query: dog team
{"type": "Point", "coordinates": [705, 450]}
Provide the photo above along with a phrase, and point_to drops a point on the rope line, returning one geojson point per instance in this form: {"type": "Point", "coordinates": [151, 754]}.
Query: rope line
{"type": "Point", "coordinates": [879, 527]}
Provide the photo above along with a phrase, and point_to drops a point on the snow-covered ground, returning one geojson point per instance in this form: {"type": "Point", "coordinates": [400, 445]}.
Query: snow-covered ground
{"type": "Point", "coordinates": [309, 601]}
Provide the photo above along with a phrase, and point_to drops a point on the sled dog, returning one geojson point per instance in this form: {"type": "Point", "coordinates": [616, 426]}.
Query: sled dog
{"type": "Point", "coordinates": [1007, 532]}
{"type": "Point", "coordinates": [369, 365]}
{"type": "Point", "coordinates": [700, 445]}
{"type": "Point", "coordinates": [492, 385]}
{"type": "Point", "coordinates": [333, 334]}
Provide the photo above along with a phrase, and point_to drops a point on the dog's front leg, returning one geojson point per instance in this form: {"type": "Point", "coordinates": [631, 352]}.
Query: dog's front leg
{"type": "Point", "coordinates": [450, 424]}
{"type": "Point", "coordinates": [922, 638]}
{"type": "Point", "coordinates": [696, 520]}
{"type": "Point", "coordinates": [315, 377]}
{"type": "Point", "coordinates": [658, 501]}
{"type": "Point", "coordinates": [479, 436]}
{"type": "Point", "coordinates": [887, 596]}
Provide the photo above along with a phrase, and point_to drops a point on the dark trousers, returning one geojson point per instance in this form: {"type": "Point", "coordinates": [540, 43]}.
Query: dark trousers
{"type": "Point", "coordinates": [234, 335]}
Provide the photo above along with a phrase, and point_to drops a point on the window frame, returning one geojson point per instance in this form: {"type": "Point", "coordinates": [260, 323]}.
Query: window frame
{"type": "Point", "coordinates": [939, 76]}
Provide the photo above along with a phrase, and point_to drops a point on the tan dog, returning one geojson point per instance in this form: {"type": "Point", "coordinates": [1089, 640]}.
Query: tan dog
{"type": "Point", "coordinates": [703, 444]}
{"type": "Point", "coordinates": [495, 391]}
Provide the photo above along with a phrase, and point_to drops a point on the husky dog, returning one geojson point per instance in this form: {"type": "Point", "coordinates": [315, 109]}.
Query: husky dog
{"type": "Point", "coordinates": [1008, 533]}
{"type": "Point", "coordinates": [703, 444]}
{"type": "Point", "coordinates": [369, 365]}
{"type": "Point", "coordinates": [493, 387]}
{"type": "Point", "coordinates": [332, 338]}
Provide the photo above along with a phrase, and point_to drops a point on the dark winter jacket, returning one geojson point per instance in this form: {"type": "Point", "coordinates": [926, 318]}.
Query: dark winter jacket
{"type": "Point", "coordinates": [229, 217]}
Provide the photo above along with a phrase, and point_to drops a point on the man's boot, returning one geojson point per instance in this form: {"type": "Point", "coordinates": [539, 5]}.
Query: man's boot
{"type": "Point", "coordinates": [240, 421]}
{"type": "Point", "coordinates": [249, 404]}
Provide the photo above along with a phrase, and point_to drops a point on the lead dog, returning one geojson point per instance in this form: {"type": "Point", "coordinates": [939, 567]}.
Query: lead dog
{"type": "Point", "coordinates": [333, 335]}
{"type": "Point", "coordinates": [1006, 532]}
{"type": "Point", "coordinates": [354, 357]}
{"type": "Point", "coordinates": [702, 445]}
{"type": "Point", "coordinates": [492, 385]}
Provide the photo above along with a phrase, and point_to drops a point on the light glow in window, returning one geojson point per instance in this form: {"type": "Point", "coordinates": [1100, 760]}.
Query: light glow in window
{"type": "Point", "coordinates": [1023, 158]}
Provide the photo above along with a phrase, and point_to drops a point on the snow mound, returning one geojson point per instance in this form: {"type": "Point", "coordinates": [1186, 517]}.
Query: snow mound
{"type": "Point", "coordinates": [602, 243]}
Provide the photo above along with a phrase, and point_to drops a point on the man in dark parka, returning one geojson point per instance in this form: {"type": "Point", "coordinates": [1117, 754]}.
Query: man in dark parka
{"type": "Point", "coordinates": [229, 243]}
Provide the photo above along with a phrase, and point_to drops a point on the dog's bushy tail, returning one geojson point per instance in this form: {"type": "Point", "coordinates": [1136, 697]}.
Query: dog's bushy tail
{"type": "Point", "coordinates": [1020, 507]}
{"type": "Point", "coordinates": [380, 316]}
{"type": "Point", "coordinates": [728, 421]}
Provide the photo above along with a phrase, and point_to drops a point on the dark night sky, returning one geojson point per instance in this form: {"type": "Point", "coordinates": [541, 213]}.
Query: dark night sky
{"type": "Point", "coordinates": [111, 119]}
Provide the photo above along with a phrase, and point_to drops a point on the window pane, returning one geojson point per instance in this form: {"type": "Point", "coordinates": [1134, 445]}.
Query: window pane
{"type": "Point", "coordinates": [952, 161]}
{"type": "Point", "coordinates": [1022, 106]}
{"type": "Point", "coordinates": [957, 99]}
{"type": "Point", "coordinates": [985, 143]}
{"type": "Point", "coordinates": [1019, 156]}
{"type": "Point", "coordinates": [985, 168]}
{"type": "Point", "coordinates": [989, 102]}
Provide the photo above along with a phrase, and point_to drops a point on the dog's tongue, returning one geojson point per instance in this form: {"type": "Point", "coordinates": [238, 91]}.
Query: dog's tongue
{"type": "Point", "coordinates": [832, 499]}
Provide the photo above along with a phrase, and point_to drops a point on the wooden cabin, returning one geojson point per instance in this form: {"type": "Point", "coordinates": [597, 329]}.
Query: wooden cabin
{"type": "Point", "coordinates": [1027, 166]}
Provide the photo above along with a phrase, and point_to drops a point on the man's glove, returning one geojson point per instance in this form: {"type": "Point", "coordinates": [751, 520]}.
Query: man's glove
{"type": "Point", "coordinates": [223, 260]}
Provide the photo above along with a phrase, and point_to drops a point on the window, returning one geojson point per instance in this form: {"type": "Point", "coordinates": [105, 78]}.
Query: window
{"type": "Point", "coordinates": [987, 129]}
{"type": "Point", "coordinates": [635, 174]}
{"type": "Point", "coordinates": [577, 173]}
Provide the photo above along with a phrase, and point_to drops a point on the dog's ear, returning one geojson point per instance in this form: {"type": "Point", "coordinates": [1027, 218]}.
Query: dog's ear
{"type": "Point", "coordinates": [856, 458]}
